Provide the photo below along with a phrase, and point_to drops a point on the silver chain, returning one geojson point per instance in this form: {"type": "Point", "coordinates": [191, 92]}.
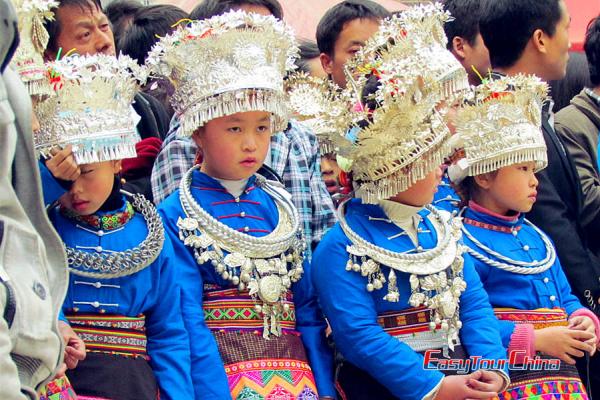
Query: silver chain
{"type": "Point", "coordinates": [122, 263]}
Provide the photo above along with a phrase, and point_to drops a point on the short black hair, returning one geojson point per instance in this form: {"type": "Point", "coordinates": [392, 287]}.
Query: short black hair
{"type": "Point", "coordinates": [53, 26]}
{"type": "Point", "coordinates": [592, 49]}
{"type": "Point", "coordinates": [147, 25]}
{"type": "Point", "coordinates": [332, 23]}
{"type": "Point", "coordinates": [577, 78]}
{"type": "Point", "coordinates": [308, 51]}
{"type": "Point", "coordinates": [120, 13]}
{"type": "Point", "coordinates": [465, 20]}
{"type": "Point", "coordinates": [507, 25]}
{"type": "Point", "coordinates": [210, 8]}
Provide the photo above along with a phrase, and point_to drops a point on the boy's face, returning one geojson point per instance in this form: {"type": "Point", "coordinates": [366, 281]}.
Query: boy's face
{"type": "Point", "coordinates": [512, 188]}
{"type": "Point", "coordinates": [421, 192]}
{"type": "Point", "coordinates": [89, 192]}
{"type": "Point", "coordinates": [234, 147]}
{"type": "Point", "coordinates": [557, 48]}
{"type": "Point", "coordinates": [353, 36]}
{"type": "Point", "coordinates": [85, 29]}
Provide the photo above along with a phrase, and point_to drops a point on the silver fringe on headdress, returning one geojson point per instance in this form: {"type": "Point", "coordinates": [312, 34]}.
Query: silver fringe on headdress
{"type": "Point", "coordinates": [28, 60]}
{"type": "Point", "coordinates": [227, 64]}
{"type": "Point", "coordinates": [501, 126]}
{"type": "Point", "coordinates": [322, 106]}
{"type": "Point", "coordinates": [404, 137]}
{"type": "Point", "coordinates": [91, 109]}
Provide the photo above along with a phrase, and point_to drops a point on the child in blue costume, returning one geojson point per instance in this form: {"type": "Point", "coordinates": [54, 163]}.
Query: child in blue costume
{"type": "Point", "coordinates": [391, 276]}
{"type": "Point", "coordinates": [504, 147]}
{"type": "Point", "coordinates": [446, 197]}
{"type": "Point", "coordinates": [253, 320]}
{"type": "Point", "coordinates": [123, 300]}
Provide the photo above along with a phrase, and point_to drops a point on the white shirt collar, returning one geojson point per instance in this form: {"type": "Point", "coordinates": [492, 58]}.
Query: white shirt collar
{"type": "Point", "coordinates": [404, 216]}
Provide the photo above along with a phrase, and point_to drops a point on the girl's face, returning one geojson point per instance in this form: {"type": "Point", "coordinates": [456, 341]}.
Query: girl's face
{"type": "Point", "coordinates": [421, 193]}
{"type": "Point", "coordinates": [92, 188]}
{"type": "Point", "coordinates": [512, 188]}
{"type": "Point", "coordinates": [234, 147]}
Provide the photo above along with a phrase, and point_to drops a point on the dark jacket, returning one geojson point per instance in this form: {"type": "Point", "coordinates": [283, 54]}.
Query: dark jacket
{"type": "Point", "coordinates": [558, 212]}
{"type": "Point", "coordinates": [578, 126]}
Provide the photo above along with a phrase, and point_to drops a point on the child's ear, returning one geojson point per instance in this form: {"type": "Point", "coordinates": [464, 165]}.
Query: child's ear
{"type": "Point", "coordinates": [484, 180]}
{"type": "Point", "coordinates": [196, 137]}
{"type": "Point", "coordinates": [117, 166]}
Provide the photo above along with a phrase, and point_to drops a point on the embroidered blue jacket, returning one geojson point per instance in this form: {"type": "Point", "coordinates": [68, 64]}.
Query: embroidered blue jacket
{"type": "Point", "coordinates": [546, 289]}
{"type": "Point", "coordinates": [257, 212]}
{"type": "Point", "coordinates": [152, 291]}
{"type": "Point", "coordinates": [352, 311]}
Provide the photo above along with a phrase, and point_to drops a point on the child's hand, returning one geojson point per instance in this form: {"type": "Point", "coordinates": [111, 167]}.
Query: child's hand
{"type": "Point", "coordinates": [458, 387]}
{"type": "Point", "coordinates": [62, 164]}
{"type": "Point", "coordinates": [486, 381]}
{"type": "Point", "coordinates": [74, 346]}
{"type": "Point", "coordinates": [563, 343]}
{"type": "Point", "coordinates": [584, 323]}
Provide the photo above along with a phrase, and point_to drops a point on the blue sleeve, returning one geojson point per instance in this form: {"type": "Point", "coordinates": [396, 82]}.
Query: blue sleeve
{"type": "Point", "coordinates": [506, 329]}
{"type": "Point", "coordinates": [61, 316]}
{"type": "Point", "coordinates": [351, 312]}
{"type": "Point", "coordinates": [310, 322]}
{"type": "Point", "coordinates": [479, 333]}
{"type": "Point", "coordinates": [569, 302]}
{"type": "Point", "coordinates": [168, 342]}
{"type": "Point", "coordinates": [208, 373]}
{"type": "Point", "coordinates": [52, 190]}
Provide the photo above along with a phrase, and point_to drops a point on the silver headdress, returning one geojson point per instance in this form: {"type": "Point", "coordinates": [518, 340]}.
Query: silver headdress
{"type": "Point", "coordinates": [321, 105]}
{"type": "Point", "coordinates": [29, 57]}
{"type": "Point", "coordinates": [501, 126]}
{"type": "Point", "coordinates": [91, 109]}
{"type": "Point", "coordinates": [404, 135]}
{"type": "Point", "coordinates": [229, 63]}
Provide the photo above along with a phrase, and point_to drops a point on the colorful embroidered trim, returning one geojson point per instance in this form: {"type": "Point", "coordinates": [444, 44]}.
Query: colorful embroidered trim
{"type": "Point", "coordinates": [539, 318]}
{"type": "Point", "coordinates": [271, 379]}
{"type": "Point", "coordinates": [104, 222]}
{"type": "Point", "coordinates": [58, 389]}
{"type": "Point", "coordinates": [233, 310]}
{"type": "Point", "coordinates": [559, 388]}
{"type": "Point", "coordinates": [491, 227]}
{"type": "Point", "coordinates": [111, 334]}
{"type": "Point", "coordinates": [407, 321]}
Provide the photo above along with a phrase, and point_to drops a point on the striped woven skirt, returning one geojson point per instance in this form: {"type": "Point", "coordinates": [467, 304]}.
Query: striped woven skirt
{"type": "Point", "coordinates": [257, 368]}
{"type": "Point", "coordinates": [548, 379]}
{"type": "Point", "coordinates": [116, 365]}
{"type": "Point", "coordinates": [411, 326]}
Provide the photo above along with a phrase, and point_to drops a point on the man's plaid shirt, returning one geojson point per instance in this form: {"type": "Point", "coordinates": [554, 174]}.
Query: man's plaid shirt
{"type": "Point", "coordinates": [294, 156]}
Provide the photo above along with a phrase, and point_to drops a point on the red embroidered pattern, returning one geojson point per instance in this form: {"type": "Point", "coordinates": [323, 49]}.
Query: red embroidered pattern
{"type": "Point", "coordinates": [491, 227]}
{"type": "Point", "coordinates": [105, 222]}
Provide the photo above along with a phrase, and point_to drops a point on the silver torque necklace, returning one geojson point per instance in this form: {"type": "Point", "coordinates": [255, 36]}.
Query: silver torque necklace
{"type": "Point", "coordinates": [422, 263]}
{"type": "Point", "coordinates": [436, 275]}
{"type": "Point", "coordinates": [266, 266]}
{"type": "Point", "coordinates": [508, 264]}
{"type": "Point", "coordinates": [122, 263]}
